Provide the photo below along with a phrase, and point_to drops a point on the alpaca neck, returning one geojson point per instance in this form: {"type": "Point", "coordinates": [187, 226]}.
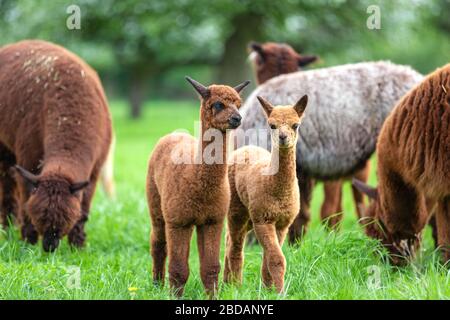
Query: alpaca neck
{"type": "Point", "coordinates": [211, 156]}
{"type": "Point", "coordinates": [66, 168]}
{"type": "Point", "coordinates": [282, 165]}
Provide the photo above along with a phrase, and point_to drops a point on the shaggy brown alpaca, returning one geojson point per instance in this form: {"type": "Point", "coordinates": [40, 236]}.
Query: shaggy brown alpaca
{"type": "Point", "coordinates": [265, 195]}
{"type": "Point", "coordinates": [274, 59]}
{"type": "Point", "coordinates": [55, 131]}
{"type": "Point", "coordinates": [413, 170]}
{"type": "Point", "coordinates": [197, 193]}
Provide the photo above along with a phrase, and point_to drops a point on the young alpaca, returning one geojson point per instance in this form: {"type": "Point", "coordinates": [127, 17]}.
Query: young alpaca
{"type": "Point", "coordinates": [265, 195]}
{"type": "Point", "coordinates": [413, 170]}
{"type": "Point", "coordinates": [197, 193]}
{"type": "Point", "coordinates": [273, 59]}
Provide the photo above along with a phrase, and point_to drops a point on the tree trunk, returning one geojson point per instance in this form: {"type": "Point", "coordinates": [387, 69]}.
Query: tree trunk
{"type": "Point", "coordinates": [137, 94]}
{"type": "Point", "coordinates": [233, 68]}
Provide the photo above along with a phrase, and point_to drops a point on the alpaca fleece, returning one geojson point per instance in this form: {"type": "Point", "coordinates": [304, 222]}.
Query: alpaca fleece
{"type": "Point", "coordinates": [181, 196]}
{"type": "Point", "coordinates": [55, 124]}
{"type": "Point", "coordinates": [267, 203]}
{"type": "Point", "coordinates": [414, 169]}
{"type": "Point", "coordinates": [271, 60]}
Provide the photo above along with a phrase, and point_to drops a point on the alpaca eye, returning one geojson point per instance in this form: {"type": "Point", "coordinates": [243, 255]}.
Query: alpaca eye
{"type": "Point", "coordinates": [295, 126]}
{"type": "Point", "coordinates": [218, 106]}
{"type": "Point", "coordinates": [273, 127]}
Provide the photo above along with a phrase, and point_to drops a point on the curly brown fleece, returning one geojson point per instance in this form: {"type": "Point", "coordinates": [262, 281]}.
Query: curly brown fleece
{"type": "Point", "coordinates": [55, 125]}
{"type": "Point", "coordinates": [181, 196]}
{"type": "Point", "coordinates": [266, 203]}
{"type": "Point", "coordinates": [413, 170]}
{"type": "Point", "coordinates": [274, 59]}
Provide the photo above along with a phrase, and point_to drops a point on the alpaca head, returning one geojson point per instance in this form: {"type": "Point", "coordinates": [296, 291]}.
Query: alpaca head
{"type": "Point", "coordinates": [220, 105]}
{"type": "Point", "coordinates": [54, 205]}
{"type": "Point", "coordinates": [273, 59]}
{"type": "Point", "coordinates": [400, 248]}
{"type": "Point", "coordinates": [284, 121]}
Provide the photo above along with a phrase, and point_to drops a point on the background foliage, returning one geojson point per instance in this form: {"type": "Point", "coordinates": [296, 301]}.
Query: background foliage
{"type": "Point", "coordinates": [142, 49]}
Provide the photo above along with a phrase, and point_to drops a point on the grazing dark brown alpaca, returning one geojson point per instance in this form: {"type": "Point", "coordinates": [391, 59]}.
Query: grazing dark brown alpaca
{"type": "Point", "coordinates": [55, 132]}
{"type": "Point", "coordinates": [271, 60]}
{"type": "Point", "coordinates": [413, 170]}
{"type": "Point", "coordinates": [191, 193]}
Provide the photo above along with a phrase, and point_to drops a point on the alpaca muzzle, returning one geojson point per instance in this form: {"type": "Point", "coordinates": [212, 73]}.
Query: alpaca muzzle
{"type": "Point", "coordinates": [235, 121]}
{"type": "Point", "coordinates": [50, 241]}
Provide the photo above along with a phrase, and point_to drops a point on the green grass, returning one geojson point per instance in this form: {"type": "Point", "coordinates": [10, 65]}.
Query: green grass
{"type": "Point", "coordinates": [337, 265]}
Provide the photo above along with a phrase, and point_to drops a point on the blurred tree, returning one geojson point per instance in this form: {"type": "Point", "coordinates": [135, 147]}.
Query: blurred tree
{"type": "Point", "coordinates": [146, 45]}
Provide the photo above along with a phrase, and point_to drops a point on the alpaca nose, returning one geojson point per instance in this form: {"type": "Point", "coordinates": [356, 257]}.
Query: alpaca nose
{"type": "Point", "coordinates": [283, 138]}
{"type": "Point", "coordinates": [235, 120]}
{"type": "Point", "coordinates": [50, 241]}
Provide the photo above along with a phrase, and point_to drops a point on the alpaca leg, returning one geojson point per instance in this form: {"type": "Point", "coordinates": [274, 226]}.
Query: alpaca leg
{"type": "Point", "coordinates": [434, 230]}
{"type": "Point", "coordinates": [358, 197]}
{"type": "Point", "coordinates": [300, 224]}
{"type": "Point", "coordinates": [107, 172]}
{"type": "Point", "coordinates": [431, 209]}
{"type": "Point", "coordinates": [265, 273]}
{"type": "Point", "coordinates": [331, 211]}
{"type": "Point", "coordinates": [274, 258]}
{"type": "Point", "coordinates": [443, 228]}
{"type": "Point", "coordinates": [267, 278]}
{"type": "Point", "coordinates": [8, 201]}
{"type": "Point", "coordinates": [178, 242]}
{"type": "Point", "coordinates": [158, 234]}
{"type": "Point", "coordinates": [208, 241]}
{"type": "Point", "coordinates": [77, 236]}
{"type": "Point", "coordinates": [234, 257]}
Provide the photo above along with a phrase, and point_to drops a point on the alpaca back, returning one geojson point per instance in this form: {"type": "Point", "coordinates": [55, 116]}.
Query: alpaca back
{"type": "Point", "coordinates": [347, 107]}
{"type": "Point", "coordinates": [52, 105]}
{"type": "Point", "coordinates": [415, 140]}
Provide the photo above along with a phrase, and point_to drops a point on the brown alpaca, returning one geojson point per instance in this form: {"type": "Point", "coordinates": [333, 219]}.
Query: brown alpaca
{"type": "Point", "coordinates": [413, 170]}
{"type": "Point", "coordinates": [273, 59]}
{"type": "Point", "coordinates": [55, 132]}
{"type": "Point", "coordinates": [265, 195]}
{"type": "Point", "coordinates": [184, 195]}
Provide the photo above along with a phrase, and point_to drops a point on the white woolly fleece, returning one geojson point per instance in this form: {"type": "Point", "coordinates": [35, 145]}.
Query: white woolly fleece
{"type": "Point", "coordinates": [347, 107]}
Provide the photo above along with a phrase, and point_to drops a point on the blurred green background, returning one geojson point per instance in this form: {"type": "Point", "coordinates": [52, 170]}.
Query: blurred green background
{"type": "Point", "coordinates": [142, 49]}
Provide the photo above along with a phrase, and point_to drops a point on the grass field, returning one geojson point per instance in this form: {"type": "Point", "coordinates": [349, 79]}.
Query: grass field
{"type": "Point", "coordinates": [116, 263]}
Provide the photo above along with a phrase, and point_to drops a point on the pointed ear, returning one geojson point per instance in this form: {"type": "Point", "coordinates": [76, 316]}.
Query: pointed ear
{"type": "Point", "coordinates": [268, 108]}
{"type": "Point", "coordinates": [300, 106]}
{"type": "Point", "coordinates": [371, 192]}
{"type": "Point", "coordinates": [31, 180]}
{"type": "Point", "coordinates": [77, 187]}
{"type": "Point", "coordinates": [257, 47]}
{"type": "Point", "coordinates": [201, 89]}
{"type": "Point", "coordinates": [241, 86]}
{"type": "Point", "coordinates": [305, 60]}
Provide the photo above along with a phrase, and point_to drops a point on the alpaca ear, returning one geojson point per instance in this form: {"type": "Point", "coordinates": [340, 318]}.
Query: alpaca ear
{"type": "Point", "coordinates": [31, 180]}
{"type": "Point", "coordinates": [77, 187]}
{"type": "Point", "coordinates": [257, 47]}
{"type": "Point", "coordinates": [268, 108]}
{"type": "Point", "coordinates": [300, 106]}
{"type": "Point", "coordinates": [305, 60]}
{"type": "Point", "coordinates": [241, 86]}
{"type": "Point", "coordinates": [201, 89]}
{"type": "Point", "coordinates": [371, 192]}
